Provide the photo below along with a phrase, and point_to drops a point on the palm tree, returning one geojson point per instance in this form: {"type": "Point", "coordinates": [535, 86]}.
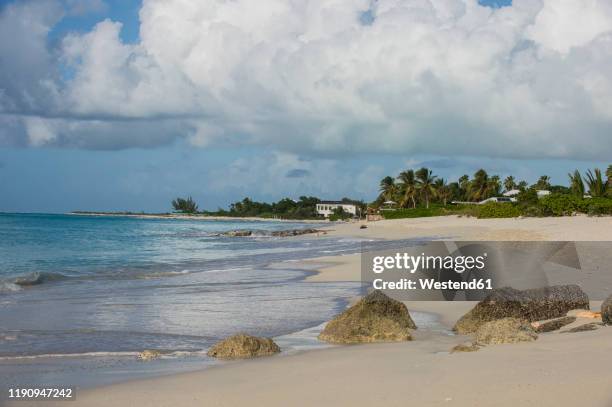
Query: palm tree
{"type": "Point", "coordinates": [494, 186]}
{"type": "Point", "coordinates": [388, 188]}
{"type": "Point", "coordinates": [479, 186]}
{"type": "Point", "coordinates": [408, 187]}
{"type": "Point", "coordinates": [522, 185]}
{"type": "Point", "coordinates": [597, 188]}
{"type": "Point", "coordinates": [425, 180]}
{"type": "Point", "coordinates": [543, 183]}
{"type": "Point", "coordinates": [464, 186]}
{"type": "Point", "coordinates": [509, 183]}
{"type": "Point", "coordinates": [609, 179]}
{"type": "Point", "coordinates": [576, 184]}
{"type": "Point", "coordinates": [443, 190]}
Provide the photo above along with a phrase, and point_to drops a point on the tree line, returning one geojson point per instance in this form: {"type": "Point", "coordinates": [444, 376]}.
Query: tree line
{"type": "Point", "coordinates": [412, 188]}
{"type": "Point", "coordinates": [418, 188]}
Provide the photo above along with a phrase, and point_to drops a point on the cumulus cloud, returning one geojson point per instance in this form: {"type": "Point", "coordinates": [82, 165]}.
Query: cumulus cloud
{"type": "Point", "coordinates": [448, 77]}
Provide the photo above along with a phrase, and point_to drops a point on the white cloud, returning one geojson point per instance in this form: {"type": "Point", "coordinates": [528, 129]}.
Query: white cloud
{"type": "Point", "coordinates": [447, 77]}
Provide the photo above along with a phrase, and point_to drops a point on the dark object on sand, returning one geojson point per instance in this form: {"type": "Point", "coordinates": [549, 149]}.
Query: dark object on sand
{"type": "Point", "coordinates": [553, 324]}
{"type": "Point", "coordinates": [505, 330]}
{"type": "Point", "coordinates": [606, 311]}
{"type": "Point", "coordinates": [242, 346]}
{"type": "Point", "coordinates": [529, 305]}
{"type": "Point", "coordinates": [465, 347]}
{"type": "Point", "coordinates": [375, 318]}
{"type": "Point", "coordinates": [591, 326]}
{"type": "Point", "coordinates": [363, 227]}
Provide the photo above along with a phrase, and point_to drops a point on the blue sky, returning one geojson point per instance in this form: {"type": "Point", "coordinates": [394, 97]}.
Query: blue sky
{"type": "Point", "coordinates": [96, 116]}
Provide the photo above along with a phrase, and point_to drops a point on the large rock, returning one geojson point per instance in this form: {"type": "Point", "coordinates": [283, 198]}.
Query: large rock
{"type": "Point", "coordinates": [529, 305]}
{"type": "Point", "coordinates": [505, 330]}
{"type": "Point", "coordinates": [606, 311]}
{"type": "Point", "coordinates": [242, 346]}
{"type": "Point", "coordinates": [375, 318]}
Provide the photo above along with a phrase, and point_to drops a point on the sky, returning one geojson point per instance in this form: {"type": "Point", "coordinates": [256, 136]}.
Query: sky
{"type": "Point", "coordinates": [125, 104]}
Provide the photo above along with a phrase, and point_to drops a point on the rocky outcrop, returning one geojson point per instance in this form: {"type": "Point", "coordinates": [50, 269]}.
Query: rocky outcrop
{"type": "Point", "coordinates": [238, 233]}
{"type": "Point", "coordinates": [295, 232]}
{"type": "Point", "coordinates": [242, 346]}
{"type": "Point", "coordinates": [606, 311]}
{"type": "Point", "coordinates": [529, 305]}
{"type": "Point", "coordinates": [505, 330]}
{"type": "Point", "coordinates": [276, 233]}
{"type": "Point", "coordinates": [552, 325]}
{"type": "Point", "coordinates": [148, 354]}
{"type": "Point", "coordinates": [375, 318]}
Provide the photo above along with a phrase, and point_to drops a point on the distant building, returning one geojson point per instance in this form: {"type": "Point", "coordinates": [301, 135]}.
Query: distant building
{"type": "Point", "coordinates": [326, 208]}
{"type": "Point", "coordinates": [541, 192]}
{"type": "Point", "coordinates": [512, 192]}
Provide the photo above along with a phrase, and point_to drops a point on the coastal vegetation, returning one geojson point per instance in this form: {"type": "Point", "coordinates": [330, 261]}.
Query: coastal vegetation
{"type": "Point", "coordinates": [420, 193]}
{"type": "Point", "coordinates": [185, 205]}
{"type": "Point", "coordinates": [416, 193]}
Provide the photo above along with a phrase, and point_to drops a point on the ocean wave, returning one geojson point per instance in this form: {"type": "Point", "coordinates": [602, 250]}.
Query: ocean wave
{"type": "Point", "coordinates": [163, 354]}
{"type": "Point", "coordinates": [29, 280]}
{"type": "Point", "coordinates": [37, 278]}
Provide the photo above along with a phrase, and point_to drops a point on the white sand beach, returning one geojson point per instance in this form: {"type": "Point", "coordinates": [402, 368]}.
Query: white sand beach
{"type": "Point", "coordinates": [558, 369]}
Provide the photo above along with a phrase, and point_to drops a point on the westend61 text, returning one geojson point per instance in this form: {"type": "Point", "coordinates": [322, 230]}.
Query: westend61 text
{"type": "Point", "coordinates": [431, 284]}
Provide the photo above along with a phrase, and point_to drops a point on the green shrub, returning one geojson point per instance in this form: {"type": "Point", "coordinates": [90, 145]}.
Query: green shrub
{"type": "Point", "coordinates": [562, 205]}
{"type": "Point", "coordinates": [534, 211]}
{"type": "Point", "coordinates": [498, 210]}
{"type": "Point", "coordinates": [598, 206]}
{"type": "Point", "coordinates": [528, 197]}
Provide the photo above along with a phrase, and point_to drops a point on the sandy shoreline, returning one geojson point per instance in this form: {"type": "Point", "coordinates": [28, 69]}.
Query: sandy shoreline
{"type": "Point", "coordinates": [556, 370]}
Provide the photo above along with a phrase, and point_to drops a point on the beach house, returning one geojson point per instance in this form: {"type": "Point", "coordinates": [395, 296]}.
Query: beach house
{"type": "Point", "coordinates": [326, 208]}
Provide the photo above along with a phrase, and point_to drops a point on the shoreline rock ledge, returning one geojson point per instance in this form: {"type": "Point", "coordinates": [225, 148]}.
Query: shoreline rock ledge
{"type": "Point", "coordinates": [375, 318]}
{"type": "Point", "coordinates": [529, 305]}
{"type": "Point", "coordinates": [243, 346]}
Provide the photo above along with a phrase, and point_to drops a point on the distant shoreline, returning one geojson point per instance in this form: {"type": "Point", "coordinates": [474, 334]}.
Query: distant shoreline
{"type": "Point", "coordinates": [194, 217]}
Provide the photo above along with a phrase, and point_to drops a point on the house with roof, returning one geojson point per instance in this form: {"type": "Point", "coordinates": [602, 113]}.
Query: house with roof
{"type": "Point", "coordinates": [326, 208]}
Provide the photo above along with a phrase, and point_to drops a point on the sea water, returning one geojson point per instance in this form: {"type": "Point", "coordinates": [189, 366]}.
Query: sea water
{"type": "Point", "coordinates": [80, 296]}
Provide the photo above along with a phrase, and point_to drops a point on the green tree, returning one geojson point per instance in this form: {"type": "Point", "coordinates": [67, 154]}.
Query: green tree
{"type": "Point", "coordinates": [464, 187]}
{"type": "Point", "coordinates": [522, 185]}
{"type": "Point", "coordinates": [388, 188]}
{"type": "Point", "coordinates": [543, 183]}
{"type": "Point", "coordinates": [609, 179]}
{"type": "Point", "coordinates": [425, 181]}
{"type": "Point", "coordinates": [597, 187]}
{"type": "Point", "coordinates": [576, 184]}
{"type": "Point", "coordinates": [185, 205]}
{"type": "Point", "coordinates": [479, 186]}
{"type": "Point", "coordinates": [509, 183]}
{"type": "Point", "coordinates": [494, 186]}
{"type": "Point", "coordinates": [408, 187]}
{"type": "Point", "coordinates": [443, 190]}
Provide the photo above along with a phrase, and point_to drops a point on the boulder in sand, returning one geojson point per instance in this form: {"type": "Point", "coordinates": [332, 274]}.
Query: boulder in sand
{"type": "Point", "coordinates": [505, 330]}
{"type": "Point", "coordinates": [529, 305]}
{"type": "Point", "coordinates": [375, 318]}
{"type": "Point", "coordinates": [606, 311]}
{"type": "Point", "coordinates": [242, 346]}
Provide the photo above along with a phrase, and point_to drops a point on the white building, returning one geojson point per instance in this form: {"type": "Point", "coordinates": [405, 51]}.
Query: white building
{"type": "Point", "coordinates": [326, 208]}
